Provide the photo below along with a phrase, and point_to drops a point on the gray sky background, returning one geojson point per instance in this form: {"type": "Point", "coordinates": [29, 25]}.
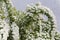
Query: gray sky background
{"type": "Point", "coordinates": [54, 5]}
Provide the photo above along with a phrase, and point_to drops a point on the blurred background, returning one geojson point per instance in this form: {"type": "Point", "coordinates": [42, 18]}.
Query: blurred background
{"type": "Point", "coordinates": [54, 5]}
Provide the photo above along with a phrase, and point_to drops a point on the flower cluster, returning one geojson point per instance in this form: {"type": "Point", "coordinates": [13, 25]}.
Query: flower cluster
{"type": "Point", "coordinates": [38, 23]}
{"type": "Point", "coordinates": [4, 30]}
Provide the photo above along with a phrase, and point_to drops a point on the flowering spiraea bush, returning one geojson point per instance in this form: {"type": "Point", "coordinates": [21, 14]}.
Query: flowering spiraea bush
{"type": "Point", "coordinates": [37, 23]}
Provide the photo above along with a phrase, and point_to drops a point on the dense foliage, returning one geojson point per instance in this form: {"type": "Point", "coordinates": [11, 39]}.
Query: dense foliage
{"type": "Point", "coordinates": [37, 23]}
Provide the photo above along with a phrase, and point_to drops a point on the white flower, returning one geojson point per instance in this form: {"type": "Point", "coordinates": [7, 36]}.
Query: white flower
{"type": "Point", "coordinates": [15, 30]}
